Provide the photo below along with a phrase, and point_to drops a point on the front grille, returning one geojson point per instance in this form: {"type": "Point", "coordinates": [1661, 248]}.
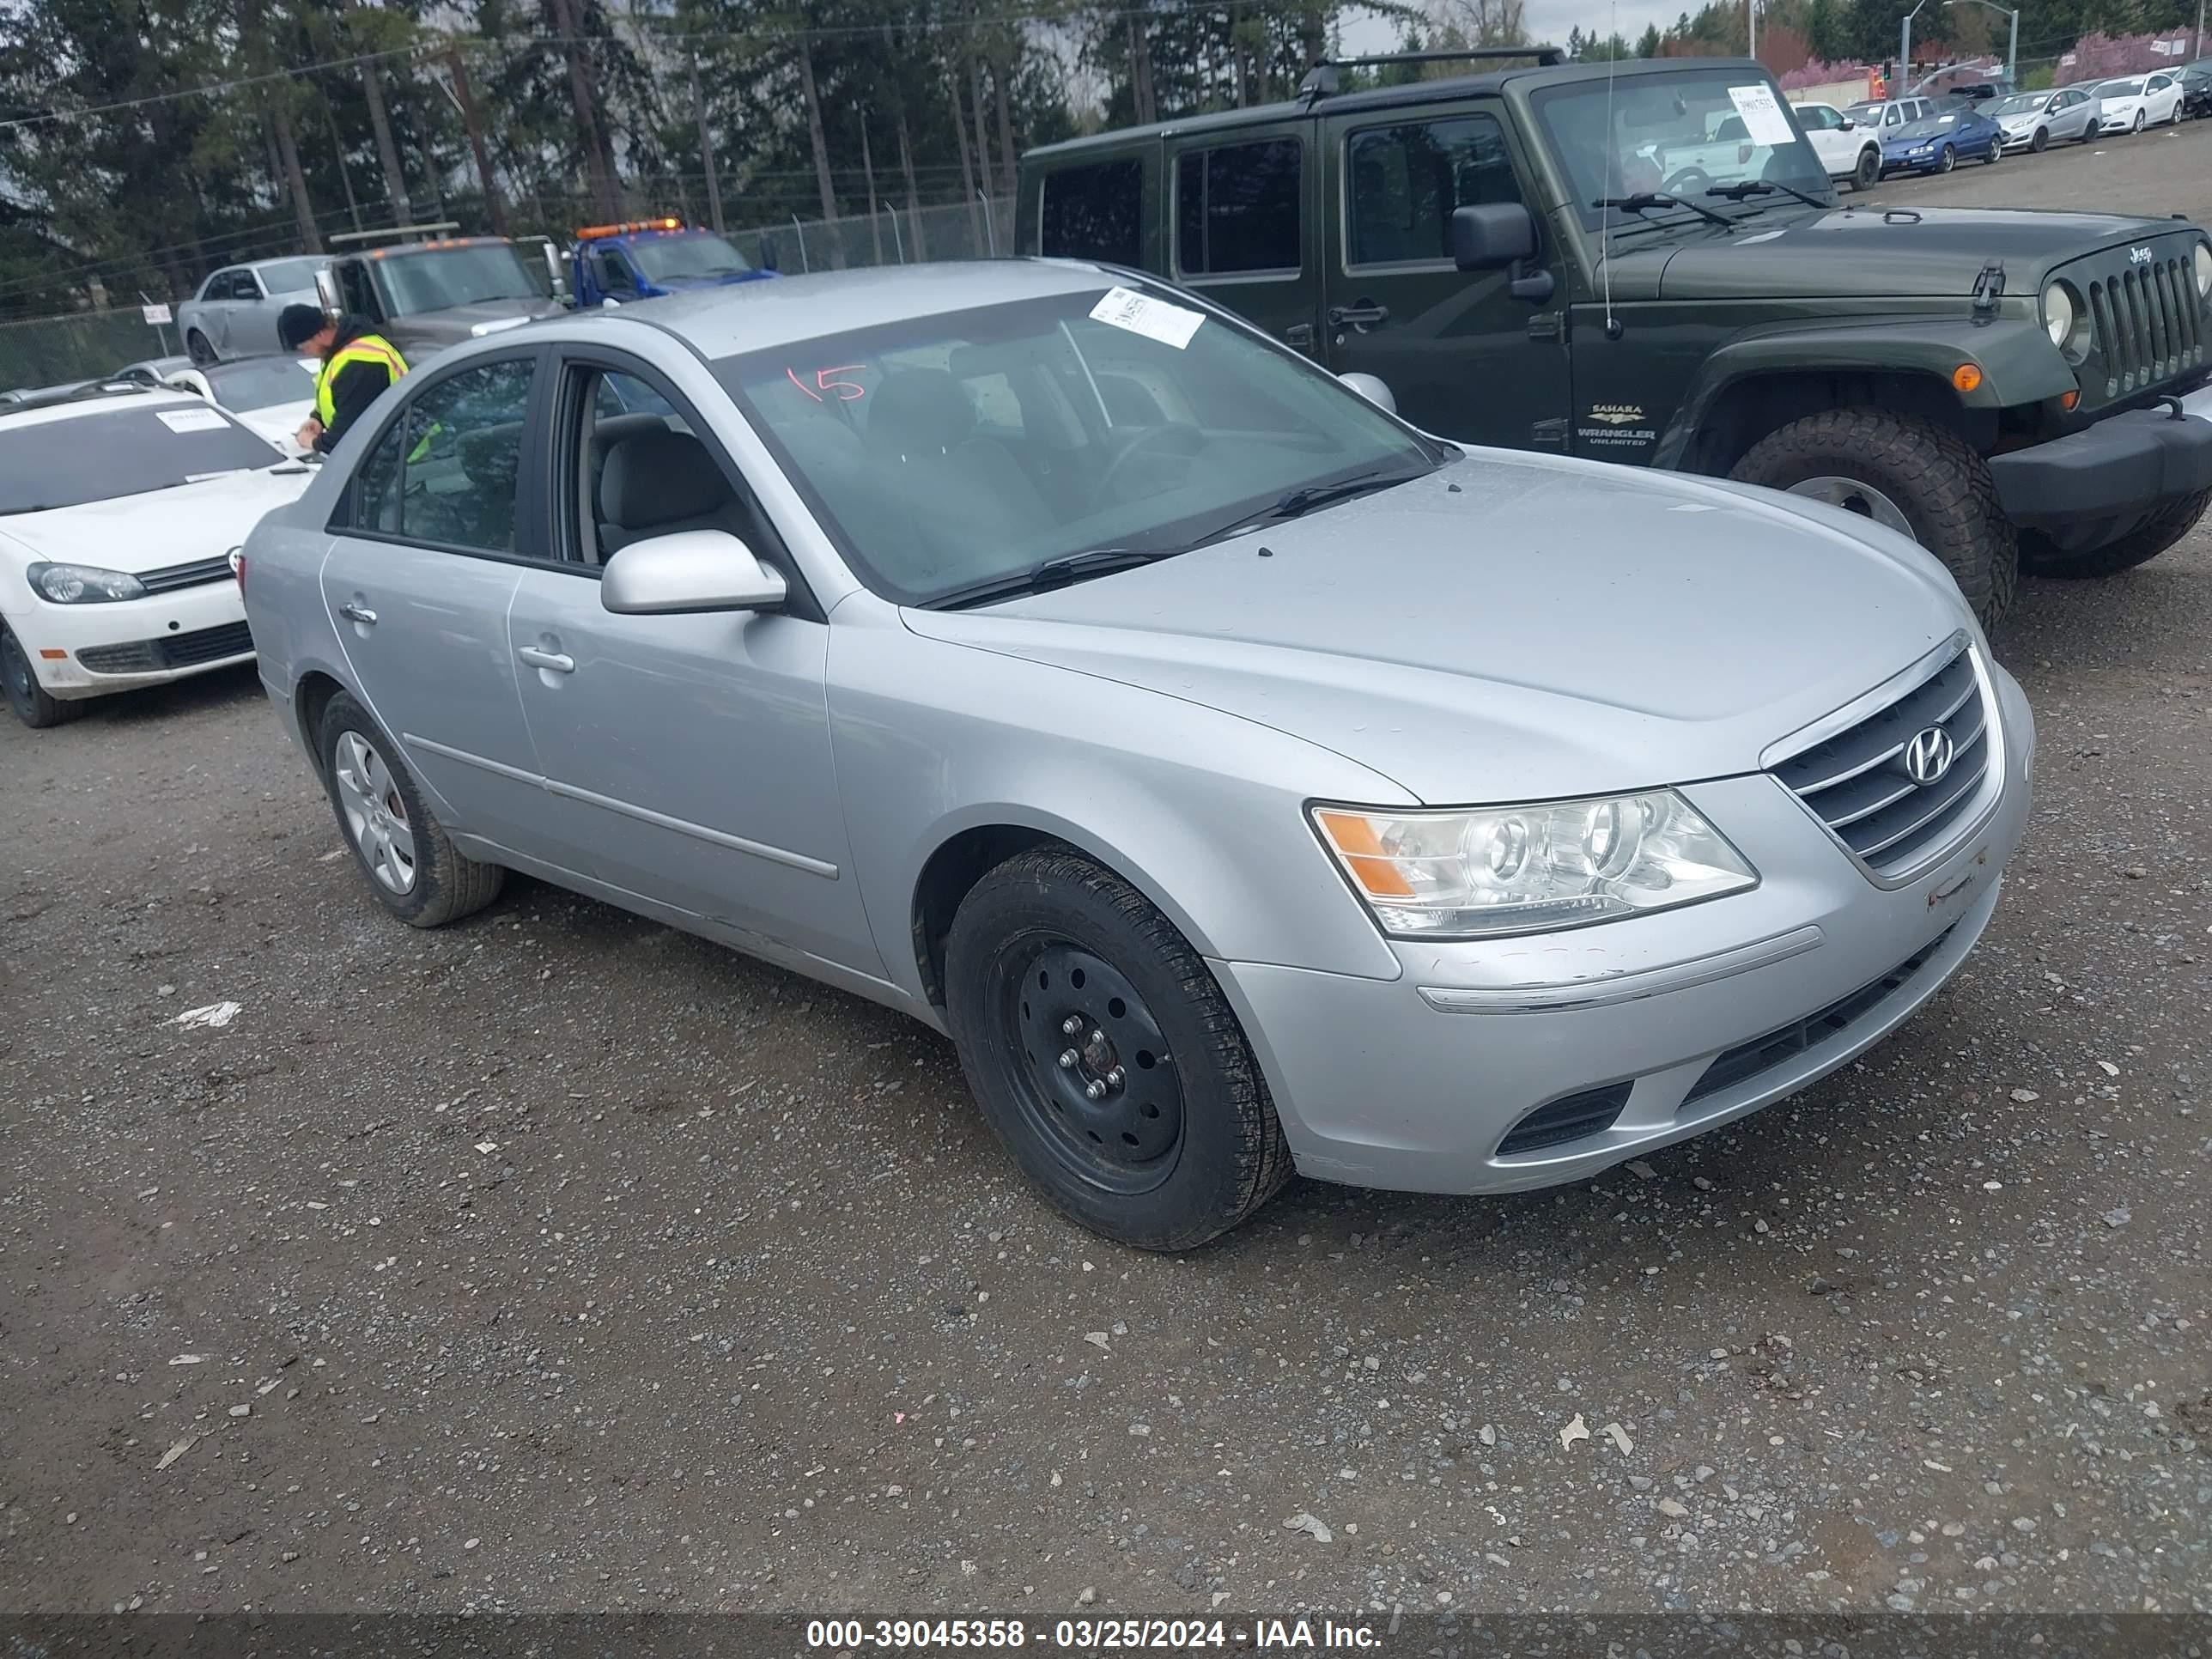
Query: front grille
{"type": "Point", "coordinates": [1747, 1059]}
{"type": "Point", "coordinates": [1567, 1119]}
{"type": "Point", "coordinates": [1856, 782]}
{"type": "Point", "coordinates": [2146, 325]}
{"type": "Point", "coordinates": [169, 578]}
{"type": "Point", "coordinates": [176, 651]}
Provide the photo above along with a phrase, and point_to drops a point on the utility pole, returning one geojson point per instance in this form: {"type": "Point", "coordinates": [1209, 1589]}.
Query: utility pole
{"type": "Point", "coordinates": [1751, 24]}
{"type": "Point", "coordinates": [707, 152]}
{"type": "Point", "coordinates": [495, 208]}
{"type": "Point", "coordinates": [1904, 87]}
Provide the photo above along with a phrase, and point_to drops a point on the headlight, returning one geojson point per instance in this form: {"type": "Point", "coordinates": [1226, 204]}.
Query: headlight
{"type": "Point", "coordinates": [1475, 873]}
{"type": "Point", "coordinates": [82, 584]}
{"type": "Point", "coordinates": [2204, 271]}
{"type": "Point", "coordinates": [2057, 314]}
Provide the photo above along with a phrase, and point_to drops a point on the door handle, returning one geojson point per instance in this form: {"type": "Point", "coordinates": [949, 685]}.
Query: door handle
{"type": "Point", "coordinates": [552, 661]}
{"type": "Point", "coordinates": [1365, 314]}
{"type": "Point", "coordinates": [354, 610]}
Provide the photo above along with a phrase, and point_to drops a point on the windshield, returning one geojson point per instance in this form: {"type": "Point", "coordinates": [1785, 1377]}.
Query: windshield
{"type": "Point", "coordinates": [2026, 104]}
{"type": "Point", "coordinates": [945, 451]}
{"type": "Point", "coordinates": [1865, 114]}
{"type": "Point", "coordinates": [457, 276]}
{"type": "Point", "coordinates": [694, 256]}
{"type": "Point", "coordinates": [262, 382]}
{"type": "Point", "coordinates": [2121, 89]}
{"type": "Point", "coordinates": [123, 452]}
{"type": "Point", "coordinates": [290, 275]}
{"type": "Point", "coordinates": [1681, 135]}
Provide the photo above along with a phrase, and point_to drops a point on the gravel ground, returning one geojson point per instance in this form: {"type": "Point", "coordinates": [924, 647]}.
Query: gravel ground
{"type": "Point", "coordinates": [559, 1261]}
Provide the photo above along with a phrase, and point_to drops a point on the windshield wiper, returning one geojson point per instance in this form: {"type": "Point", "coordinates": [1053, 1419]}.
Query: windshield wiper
{"type": "Point", "coordinates": [1763, 187]}
{"type": "Point", "coordinates": [1643, 201]}
{"type": "Point", "coordinates": [1297, 503]}
{"type": "Point", "coordinates": [1049, 574]}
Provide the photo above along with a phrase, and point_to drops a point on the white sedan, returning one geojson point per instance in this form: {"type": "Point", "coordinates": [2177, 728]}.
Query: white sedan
{"type": "Point", "coordinates": [271, 395]}
{"type": "Point", "coordinates": [120, 508]}
{"type": "Point", "coordinates": [2136, 102]}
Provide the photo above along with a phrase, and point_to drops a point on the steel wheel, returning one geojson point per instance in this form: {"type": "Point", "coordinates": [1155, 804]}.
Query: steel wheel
{"type": "Point", "coordinates": [1855, 496]}
{"type": "Point", "coordinates": [375, 814]}
{"type": "Point", "coordinates": [1094, 1079]}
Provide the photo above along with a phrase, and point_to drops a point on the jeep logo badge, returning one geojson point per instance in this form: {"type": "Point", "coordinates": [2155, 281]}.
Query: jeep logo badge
{"type": "Point", "coordinates": [2138, 256]}
{"type": "Point", "coordinates": [1928, 757]}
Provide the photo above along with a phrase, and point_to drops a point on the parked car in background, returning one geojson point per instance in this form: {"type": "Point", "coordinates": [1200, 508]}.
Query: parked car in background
{"type": "Point", "coordinates": [2136, 102]}
{"type": "Point", "coordinates": [1886, 116]}
{"type": "Point", "coordinates": [426, 295]}
{"type": "Point", "coordinates": [118, 511]}
{"type": "Point", "coordinates": [271, 395]}
{"type": "Point", "coordinates": [1939, 141]}
{"type": "Point", "coordinates": [2036, 120]}
{"type": "Point", "coordinates": [234, 313]}
{"type": "Point", "coordinates": [1106, 685]}
{"type": "Point", "coordinates": [2197, 91]}
{"type": "Point", "coordinates": [647, 258]}
{"type": "Point", "coordinates": [148, 372]}
{"type": "Point", "coordinates": [1848, 150]}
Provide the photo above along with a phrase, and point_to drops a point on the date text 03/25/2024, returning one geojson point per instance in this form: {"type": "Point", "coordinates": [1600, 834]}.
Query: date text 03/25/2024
{"type": "Point", "coordinates": [1087, 1635]}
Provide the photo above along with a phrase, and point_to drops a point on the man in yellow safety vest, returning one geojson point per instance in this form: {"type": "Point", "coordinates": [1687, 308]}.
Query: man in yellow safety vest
{"type": "Point", "coordinates": [358, 364]}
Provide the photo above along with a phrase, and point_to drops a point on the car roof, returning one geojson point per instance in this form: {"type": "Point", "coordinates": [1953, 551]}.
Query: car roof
{"type": "Point", "coordinates": [721, 322]}
{"type": "Point", "coordinates": [95, 397]}
{"type": "Point", "coordinates": [1413, 93]}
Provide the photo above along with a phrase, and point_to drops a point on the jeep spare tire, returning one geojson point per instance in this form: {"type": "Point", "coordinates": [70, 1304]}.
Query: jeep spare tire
{"type": "Point", "coordinates": [1908, 474]}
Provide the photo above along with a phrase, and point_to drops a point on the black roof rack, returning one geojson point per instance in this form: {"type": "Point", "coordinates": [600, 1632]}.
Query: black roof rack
{"type": "Point", "coordinates": [1322, 79]}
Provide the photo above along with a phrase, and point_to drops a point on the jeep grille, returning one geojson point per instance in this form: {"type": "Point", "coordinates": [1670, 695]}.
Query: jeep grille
{"type": "Point", "coordinates": [2146, 325]}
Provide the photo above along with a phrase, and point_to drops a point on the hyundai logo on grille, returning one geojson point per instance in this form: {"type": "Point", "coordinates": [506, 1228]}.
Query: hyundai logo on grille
{"type": "Point", "coordinates": [1928, 757]}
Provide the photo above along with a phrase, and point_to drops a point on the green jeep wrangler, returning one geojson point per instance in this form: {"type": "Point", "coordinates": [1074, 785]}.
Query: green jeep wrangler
{"type": "Point", "coordinates": [1647, 263]}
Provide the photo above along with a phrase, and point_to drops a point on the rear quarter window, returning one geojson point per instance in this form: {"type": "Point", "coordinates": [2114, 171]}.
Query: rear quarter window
{"type": "Point", "coordinates": [1094, 212]}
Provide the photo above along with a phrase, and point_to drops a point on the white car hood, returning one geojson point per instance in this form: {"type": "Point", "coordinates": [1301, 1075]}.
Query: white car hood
{"type": "Point", "coordinates": [279, 423]}
{"type": "Point", "coordinates": [160, 528]}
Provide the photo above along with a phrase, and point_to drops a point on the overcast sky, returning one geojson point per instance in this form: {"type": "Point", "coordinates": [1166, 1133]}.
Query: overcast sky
{"type": "Point", "coordinates": [1549, 21]}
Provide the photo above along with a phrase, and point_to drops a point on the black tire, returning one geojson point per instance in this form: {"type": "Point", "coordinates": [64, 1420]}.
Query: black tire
{"type": "Point", "coordinates": [1995, 154]}
{"type": "Point", "coordinates": [444, 886]}
{"type": "Point", "coordinates": [2139, 546]}
{"type": "Point", "coordinates": [1223, 1154]}
{"type": "Point", "coordinates": [1868, 173]}
{"type": "Point", "coordinates": [2138, 126]}
{"type": "Point", "coordinates": [2041, 142]}
{"type": "Point", "coordinates": [33, 705]}
{"type": "Point", "coordinates": [1940, 484]}
{"type": "Point", "coordinates": [1949, 160]}
{"type": "Point", "coordinates": [197, 348]}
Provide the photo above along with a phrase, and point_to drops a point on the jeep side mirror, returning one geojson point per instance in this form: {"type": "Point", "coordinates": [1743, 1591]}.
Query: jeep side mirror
{"type": "Point", "coordinates": [1493, 233]}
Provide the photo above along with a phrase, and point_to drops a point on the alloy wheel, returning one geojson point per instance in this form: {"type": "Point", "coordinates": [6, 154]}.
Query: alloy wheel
{"type": "Point", "coordinates": [375, 812]}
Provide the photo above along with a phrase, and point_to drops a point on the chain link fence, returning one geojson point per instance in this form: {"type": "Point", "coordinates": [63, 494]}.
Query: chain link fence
{"type": "Point", "coordinates": [41, 351]}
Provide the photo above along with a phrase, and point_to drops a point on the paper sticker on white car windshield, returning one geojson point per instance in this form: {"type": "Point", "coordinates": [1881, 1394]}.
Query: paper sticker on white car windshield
{"type": "Point", "coordinates": [1762, 117]}
{"type": "Point", "coordinates": [190, 420]}
{"type": "Point", "coordinates": [1155, 320]}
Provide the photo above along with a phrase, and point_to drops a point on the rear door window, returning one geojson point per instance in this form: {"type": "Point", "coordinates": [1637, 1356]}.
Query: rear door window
{"type": "Point", "coordinates": [1094, 212]}
{"type": "Point", "coordinates": [1238, 208]}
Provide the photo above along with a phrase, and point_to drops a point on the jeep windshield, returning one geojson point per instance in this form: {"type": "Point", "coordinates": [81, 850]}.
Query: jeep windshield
{"type": "Point", "coordinates": [1677, 136]}
{"type": "Point", "coordinates": [447, 277]}
{"type": "Point", "coordinates": [958, 457]}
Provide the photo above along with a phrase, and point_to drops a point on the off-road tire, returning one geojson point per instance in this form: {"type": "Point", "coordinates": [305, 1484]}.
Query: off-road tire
{"type": "Point", "coordinates": [1941, 485]}
{"type": "Point", "coordinates": [447, 885]}
{"type": "Point", "coordinates": [2039, 558]}
{"type": "Point", "coordinates": [1231, 1156]}
{"type": "Point", "coordinates": [33, 705]}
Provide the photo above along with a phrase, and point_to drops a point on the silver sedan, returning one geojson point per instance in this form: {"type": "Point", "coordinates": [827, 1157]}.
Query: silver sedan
{"type": "Point", "coordinates": [1243, 780]}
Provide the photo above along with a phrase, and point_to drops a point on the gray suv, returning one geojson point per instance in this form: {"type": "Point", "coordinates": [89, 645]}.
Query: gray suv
{"type": "Point", "coordinates": [1242, 778]}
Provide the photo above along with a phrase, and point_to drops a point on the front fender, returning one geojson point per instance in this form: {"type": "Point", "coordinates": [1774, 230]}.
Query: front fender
{"type": "Point", "coordinates": [2017, 363]}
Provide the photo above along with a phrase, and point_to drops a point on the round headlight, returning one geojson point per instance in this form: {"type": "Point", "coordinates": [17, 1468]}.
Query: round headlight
{"type": "Point", "coordinates": [2204, 271]}
{"type": "Point", "coordinates": [2057, 314]}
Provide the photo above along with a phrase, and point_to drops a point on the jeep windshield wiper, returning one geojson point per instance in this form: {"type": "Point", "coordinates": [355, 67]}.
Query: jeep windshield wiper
{"type": "Point", "coordinates": [1763, 187]}
{"type": "Point", "coordinates": [1048, 574]}
{"type": "Point", "coordinates": [1644, 200]}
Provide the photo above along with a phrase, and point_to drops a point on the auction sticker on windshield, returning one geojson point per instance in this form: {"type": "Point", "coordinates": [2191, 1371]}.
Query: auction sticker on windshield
{"type": "Point", "coordinates": [1155, 320]}
{"type": "Point", "coordinates": [1762, 117]}
{"type": "Point", "coordinates": [190, 420]}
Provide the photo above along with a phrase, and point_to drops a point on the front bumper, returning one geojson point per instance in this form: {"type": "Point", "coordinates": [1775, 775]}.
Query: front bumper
{"type": "Point", "coordinates": [1694, 1018]}
{"type": "Point", "coordinates": [89, 650]}
{"type": "Point", "coordinates": [2092, 488]}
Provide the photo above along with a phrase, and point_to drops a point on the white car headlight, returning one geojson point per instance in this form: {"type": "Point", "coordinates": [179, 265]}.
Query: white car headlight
{"type": "Point", "coordinates": [1478, 872]}
{"type": "Point", "coordinates": [82, 584]}
{"type": "Point", "coordinates": [2057, 314]}
{"type": "Point", "coordinates": [2204, 271]}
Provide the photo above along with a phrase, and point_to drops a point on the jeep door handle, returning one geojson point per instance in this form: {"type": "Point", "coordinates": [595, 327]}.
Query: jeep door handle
{"type": "Point", "coordinates": [354, 610]}
{"type": "Point", "coordinates": [1365, 314]}
{"type": "Point", "coordinates": [552, 661]}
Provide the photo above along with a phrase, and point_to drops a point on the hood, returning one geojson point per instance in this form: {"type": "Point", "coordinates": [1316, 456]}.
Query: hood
{"type": "Point", "coordinates": [434, 331]}
{"type": "Point", "coordinates": [278, 423]}
{"type": "Point", "coordinates": [1937, 251]}
{"type": "Point", "coordinates": [1548, 629]}
{"type": "Point", "coordinates": [160, 528]}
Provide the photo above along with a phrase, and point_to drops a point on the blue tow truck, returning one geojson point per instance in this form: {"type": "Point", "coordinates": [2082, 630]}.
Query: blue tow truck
{"type": "Point", "coordinates": [619, 264]}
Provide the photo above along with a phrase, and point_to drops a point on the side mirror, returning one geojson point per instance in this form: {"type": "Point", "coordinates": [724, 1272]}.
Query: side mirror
{"type": "Point", "coordinates": [557, 274]}
{"type": "Point", "coordinates": [1848, 124]}
{"type": "Point", "coordinates": [326, 292]}
{"type": "Point", "coordinates": [687, 571]}
{"type": "Point", "coordinates": [1492, 234]}
{"type": "Point", "coordinates": [1370, 387]}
